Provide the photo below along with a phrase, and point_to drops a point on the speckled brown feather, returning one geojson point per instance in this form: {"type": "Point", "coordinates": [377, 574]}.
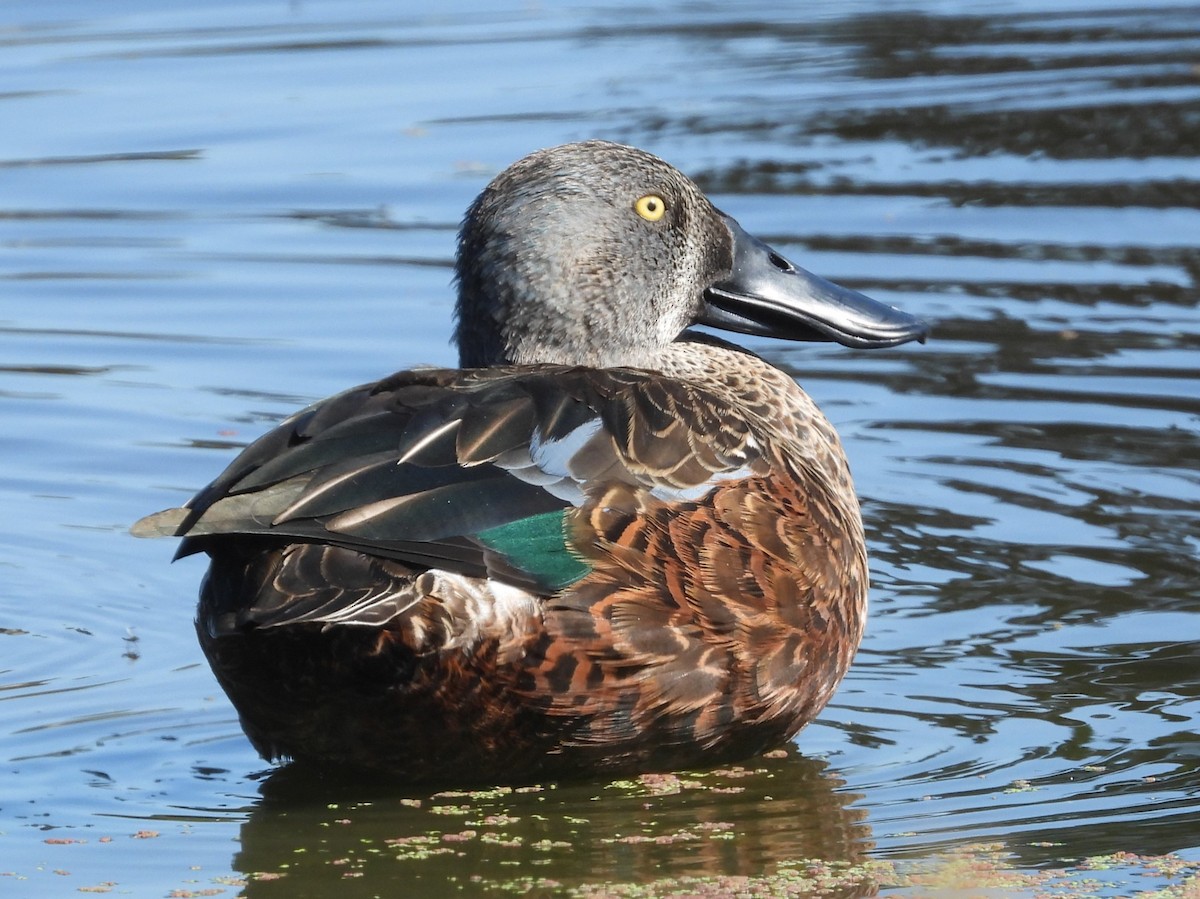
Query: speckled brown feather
{"type": "Point", "coordinates": [707, 628]}
{"type": "Point", "coordinates": [745, 606]}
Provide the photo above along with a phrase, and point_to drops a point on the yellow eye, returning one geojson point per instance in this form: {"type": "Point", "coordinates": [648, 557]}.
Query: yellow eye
{"type": "Point", "coordinates": [651, 207]}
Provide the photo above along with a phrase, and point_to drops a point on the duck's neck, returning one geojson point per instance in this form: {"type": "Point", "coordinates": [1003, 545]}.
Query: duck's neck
{"type": "Point", "coordinates": [508, 324]}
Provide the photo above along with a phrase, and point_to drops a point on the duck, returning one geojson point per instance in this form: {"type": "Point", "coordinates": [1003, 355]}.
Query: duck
{"type": "Point", "coordinates": [608, 543]}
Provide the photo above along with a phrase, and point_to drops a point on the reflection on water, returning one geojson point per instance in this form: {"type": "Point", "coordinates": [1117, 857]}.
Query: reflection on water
{"type": "Point", "coordinates": [210, 216]}
{"type": "Point", "coordinates": [737, 822]}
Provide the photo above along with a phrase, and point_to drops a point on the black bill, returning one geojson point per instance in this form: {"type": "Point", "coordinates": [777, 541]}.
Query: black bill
{"type": "Point", "coordinates": [766, 295]}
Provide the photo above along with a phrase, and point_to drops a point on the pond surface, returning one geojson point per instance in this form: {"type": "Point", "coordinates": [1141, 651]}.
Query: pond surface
{"type": "Point", "coordinates": [211, 215]}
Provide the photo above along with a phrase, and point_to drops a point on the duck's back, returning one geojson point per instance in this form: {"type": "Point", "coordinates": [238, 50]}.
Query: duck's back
{"type": "Point", "coordinates": [506, 574]}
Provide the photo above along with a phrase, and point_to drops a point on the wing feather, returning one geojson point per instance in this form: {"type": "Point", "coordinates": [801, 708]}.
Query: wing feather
{"type": "Point", "coordinates": [416, 467]}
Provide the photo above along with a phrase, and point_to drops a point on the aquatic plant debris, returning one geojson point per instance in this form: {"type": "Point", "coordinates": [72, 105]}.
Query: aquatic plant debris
{"type": "Point", "coordinates": [978, 870]}
{"type": "Point", "coordinates": [497, 835]}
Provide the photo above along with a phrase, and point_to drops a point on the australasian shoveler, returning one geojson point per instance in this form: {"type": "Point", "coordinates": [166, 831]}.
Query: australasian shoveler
{"type": "Point", "coordinates": [606, 544]}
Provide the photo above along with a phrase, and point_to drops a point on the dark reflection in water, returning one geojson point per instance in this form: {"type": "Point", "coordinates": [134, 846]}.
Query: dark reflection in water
{"type": "Point", "coordinates": [211, 216]}
{"type": "Point", "coordinates": [783, 178]}
{"type": "Point", "coordinates": [1160, 57]}
{"type": "Point", "coordinates": [739, 821]}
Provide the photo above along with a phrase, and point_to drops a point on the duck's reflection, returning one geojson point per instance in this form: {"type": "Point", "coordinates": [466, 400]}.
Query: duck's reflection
{"type": "Point", "coordinates": [773, 818]}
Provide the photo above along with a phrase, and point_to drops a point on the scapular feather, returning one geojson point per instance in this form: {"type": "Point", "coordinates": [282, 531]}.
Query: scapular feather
{"type": "Point", "coordinates": [448, 511]}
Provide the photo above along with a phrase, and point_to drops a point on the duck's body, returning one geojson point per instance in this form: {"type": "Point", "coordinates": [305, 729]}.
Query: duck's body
{"type": "Point", "coordinates": [648, 559]}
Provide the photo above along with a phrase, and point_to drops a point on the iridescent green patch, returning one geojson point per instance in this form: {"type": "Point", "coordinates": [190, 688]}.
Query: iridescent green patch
{"type": "Point", "coordinates": [537, 545]}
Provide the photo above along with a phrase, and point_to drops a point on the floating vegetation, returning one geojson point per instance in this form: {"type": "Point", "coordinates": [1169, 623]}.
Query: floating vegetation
{"type": "Point", "coordinates": [658, 835]}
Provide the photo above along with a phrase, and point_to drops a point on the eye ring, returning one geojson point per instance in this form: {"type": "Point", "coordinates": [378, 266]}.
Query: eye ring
{"type": "Point", "coordinates": [651, 207]}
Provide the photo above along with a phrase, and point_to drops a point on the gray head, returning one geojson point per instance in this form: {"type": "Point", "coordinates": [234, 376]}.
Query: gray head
{"type": "Point", "coordinates": [600, 254]}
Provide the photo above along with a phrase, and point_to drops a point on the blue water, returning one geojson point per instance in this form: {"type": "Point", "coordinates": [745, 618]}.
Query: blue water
{"type": "Point", "coordinates": [210, 216]}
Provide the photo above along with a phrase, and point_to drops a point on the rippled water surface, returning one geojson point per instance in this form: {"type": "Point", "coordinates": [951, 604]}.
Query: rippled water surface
{"type": "Point", "coordinates": [212, 214]}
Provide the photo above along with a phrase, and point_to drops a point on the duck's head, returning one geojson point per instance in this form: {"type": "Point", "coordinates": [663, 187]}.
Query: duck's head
{"type": "Point", "coordinates": [600, 254]}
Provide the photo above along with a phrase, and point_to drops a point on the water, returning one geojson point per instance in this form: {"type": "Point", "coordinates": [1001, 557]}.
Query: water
{"type": "Point", "coordinates": [211, 215]}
